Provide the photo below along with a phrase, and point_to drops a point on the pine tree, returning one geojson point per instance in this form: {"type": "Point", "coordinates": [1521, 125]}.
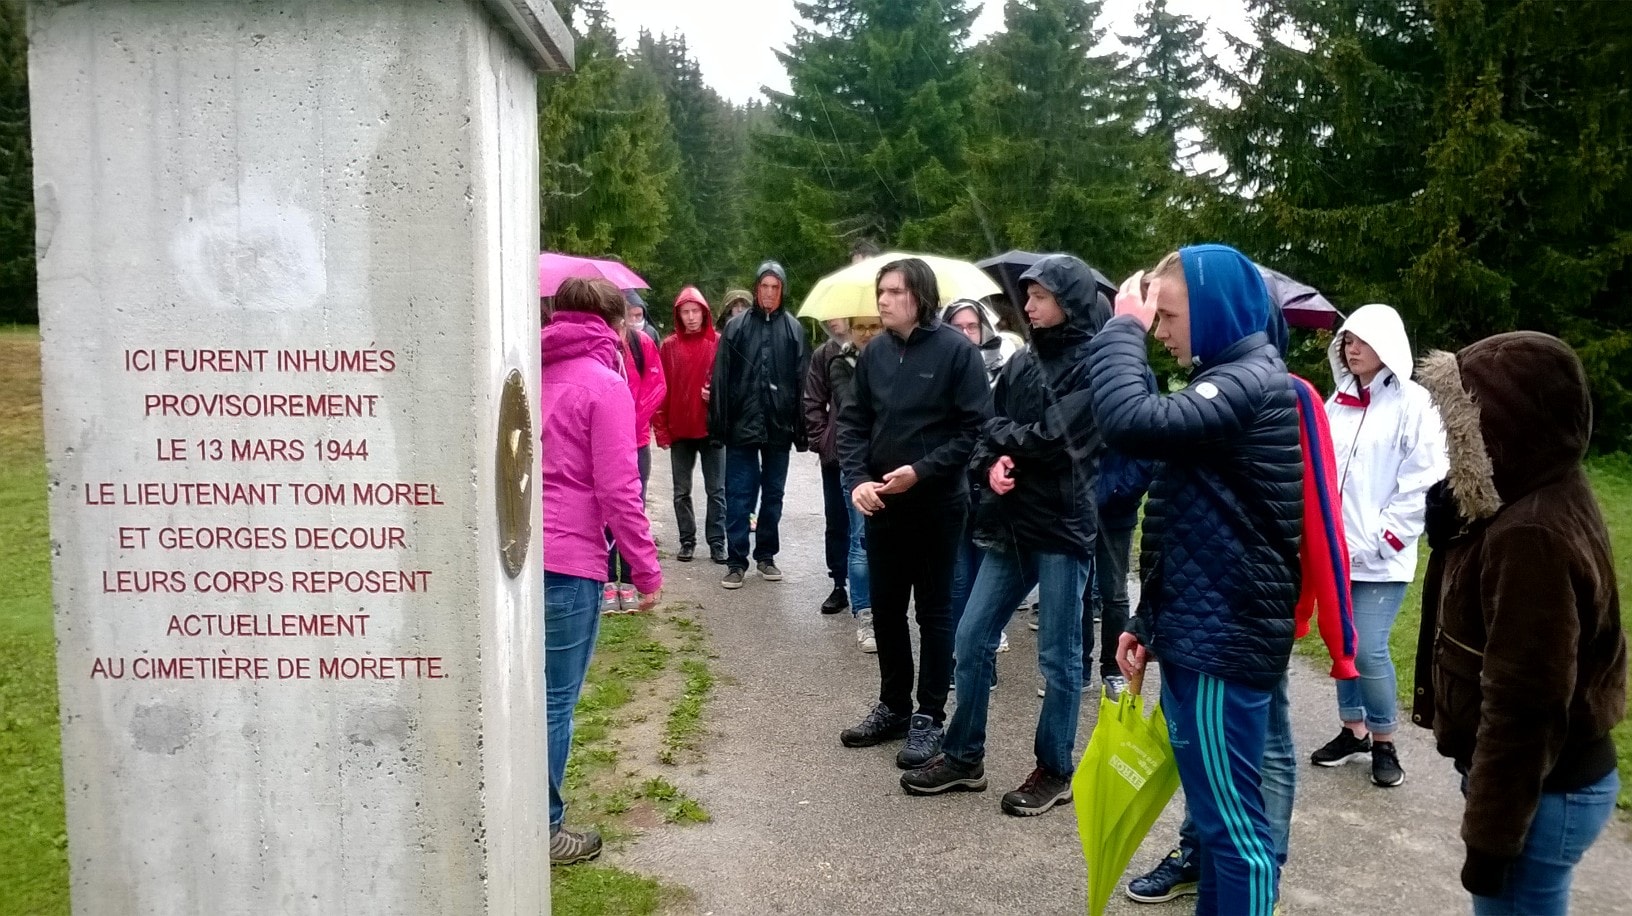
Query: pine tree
{"type": "Point", "coordinates": [18, 301]}
{"type": "Point", "coordinates": [1166, 76]}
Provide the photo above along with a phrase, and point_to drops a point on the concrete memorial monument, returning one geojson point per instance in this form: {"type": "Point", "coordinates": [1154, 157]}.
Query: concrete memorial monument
{"type": "Point", "coordinates": [288, 300]}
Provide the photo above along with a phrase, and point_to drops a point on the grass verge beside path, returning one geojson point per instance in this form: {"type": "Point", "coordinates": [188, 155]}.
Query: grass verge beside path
{"type": "Point", "coordinates": [1612, 481]}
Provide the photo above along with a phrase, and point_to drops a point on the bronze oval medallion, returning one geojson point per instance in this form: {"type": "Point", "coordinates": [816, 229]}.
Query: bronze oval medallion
{"type": "Point", "coordinates": [513, 474]}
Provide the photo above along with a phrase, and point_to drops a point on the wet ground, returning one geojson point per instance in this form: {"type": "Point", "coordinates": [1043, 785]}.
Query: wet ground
{"type": "Point", "coordinates": [804, 825]}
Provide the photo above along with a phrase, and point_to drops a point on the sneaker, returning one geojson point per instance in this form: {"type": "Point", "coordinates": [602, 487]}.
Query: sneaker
{"type": "Point", "coordinates": [837, 600]}
{"type": "Point", "coordinates": [1341, 750]}
{"type": "Point", "coordinates": [628, 599]}
{"type": "Point", "coordinates": [768, 570]}
{"type": "Point", "coordinates": [733, 579]}
{"type": "Point", "coordinates": [569, 847]}
{"type": "Point", "coordinates": [1041, 791]}
{"type": "Point", "coordinates": [864, 635]}
{"type": "Point", "coordinates": [717, 554]}
{"type": "Point", "coordinates": [1177, 875]}
{"type": "Point", "coordinates": [923, 743]}
{"type": "Point", "coordinates": [943, 775]}
{"type": "Point", "coordinates": [880, 726]}
{"type": "Point", "coordinates": [1114, 685]}
{"type": "Point", "coordinates": [609, 599]}
{"type": "Point", "coordinates": [1003, 642]}
{"type": "Point", "coordinates": [1031, 620]}
{"type": "Point", "coordinates": [1385, 765]}
{"type": "Point", "coordinates": [687, 551]}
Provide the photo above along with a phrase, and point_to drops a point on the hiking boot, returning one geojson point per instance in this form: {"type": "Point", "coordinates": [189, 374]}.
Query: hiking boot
{"type": "Point", "coordinates": [609, 599]}
{"type": "Point", "coordinates": [923, 743]}
{"type": "Point", "coordinates": [1177, 875]}
{"type": "Point", "coordinates": [837, 600]}
{"type": "Point", "coordinates": [1341, 750]}
{"type": "Point", "coordinates": [687, 551]}
{"type": "Point", "coordinates": [569, 847]}
{"type": "Point", "coordinates": [717, 554]}
{"type": "Point", "coordinates": [944, 775]}
{"type": "Point", "coordinates": [1385, 765]}
{"type": "Point", "coordinates": [880, 726]}
{"type": "Point", "coordinates": [1041, 791]}
{"type": "Point", "coordinates": [733, 578]}
{"type": "Point", "coordinates": [1114, 685]}
{"type": "Point", "coordinates": [768, 570]}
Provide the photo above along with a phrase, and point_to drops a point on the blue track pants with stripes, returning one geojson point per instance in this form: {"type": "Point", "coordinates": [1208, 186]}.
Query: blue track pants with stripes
{"type": "Point", "coordinates": [1217, 729]}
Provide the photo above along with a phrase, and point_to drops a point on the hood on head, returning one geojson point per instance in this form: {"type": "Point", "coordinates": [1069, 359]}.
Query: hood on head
{"type": "Point", "coordinates": [692, 294]}
{"type": "Point", "coordinates": [1517, 415]}
{"type": "Point", "coordinates": [775, 269]}
{"type": "Point", "coordinates": [1380, 326]}
{"type": "Point", "coordinates": [576, 335]}
{"type": "Point", "coordinates": [1228, 300]}
{"type": "Point", "coordinates": [732, 297]}
{"type": "Point", "coordinates": [1082, 291]}
{"type": "Point", "coordinates": [988, 327]}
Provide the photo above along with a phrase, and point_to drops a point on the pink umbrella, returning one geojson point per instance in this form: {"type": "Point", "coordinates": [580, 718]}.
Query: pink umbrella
{"type": "Point", "coordinates": [553, 268]}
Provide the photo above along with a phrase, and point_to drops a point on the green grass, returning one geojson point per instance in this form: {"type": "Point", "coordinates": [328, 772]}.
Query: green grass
{"type": "Point", "coordinates": [33, 833]}
{"type": "Point", "coordinates": [685, 725]}
{"type": "Point", "coordinates": [1612, 481]}
{"type": "Point", "coordinates": [596, 890]}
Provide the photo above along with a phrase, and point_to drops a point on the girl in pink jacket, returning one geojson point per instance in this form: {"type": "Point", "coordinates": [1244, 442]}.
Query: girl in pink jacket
{"type": "Point", "coordinates": [591, 483]}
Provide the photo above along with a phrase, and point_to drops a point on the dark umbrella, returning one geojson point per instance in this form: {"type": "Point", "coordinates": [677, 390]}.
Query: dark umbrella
{"type": "Point", "coordinates": [1302, 304]}
{"type": "Point", "coordinates": [1007, 268]}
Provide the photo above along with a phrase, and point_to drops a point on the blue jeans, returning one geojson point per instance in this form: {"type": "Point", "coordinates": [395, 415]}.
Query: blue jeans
{"type": "Point", "coordinates": [572, 619]}
{"type": "Point", "coordinates": [753, 474]}
{"type": "Point", "coordinates": [1005, 577]}
{"type": "Point", "coordinates": [861, 595]}
{"type": "Point", "coordinates": [1280, 777]}
{"type": "Point", "coordinates": [964, 568]}
{"type": "Point", "coordinates": [1566, 824]}
{"type": "Point", "coordinates": [1219, 730]}
{"type": "Point", "coordinates": [1372, 698]}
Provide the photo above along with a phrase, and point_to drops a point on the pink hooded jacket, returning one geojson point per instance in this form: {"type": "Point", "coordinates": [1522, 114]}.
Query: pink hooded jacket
{"type": "Point", "coordinates": [591, 480]}
{"type": "Point", "coordinates": [649, 390]}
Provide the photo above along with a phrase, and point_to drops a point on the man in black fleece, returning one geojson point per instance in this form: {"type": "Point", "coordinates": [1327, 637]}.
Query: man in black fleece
{"type": "Point", "coordinates": [904, 444]}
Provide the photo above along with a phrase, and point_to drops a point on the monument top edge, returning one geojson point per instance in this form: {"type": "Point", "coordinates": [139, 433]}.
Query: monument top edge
{"type": "Point", "coordinates": [538, 31]}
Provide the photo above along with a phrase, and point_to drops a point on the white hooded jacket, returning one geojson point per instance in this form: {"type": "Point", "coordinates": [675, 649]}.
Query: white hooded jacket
{"type": "Point", "coordinates": [1390, 448]}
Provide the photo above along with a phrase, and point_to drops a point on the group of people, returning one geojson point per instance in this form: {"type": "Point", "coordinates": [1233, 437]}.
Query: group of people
{"type": "Point", "coordinates": [966, 465]}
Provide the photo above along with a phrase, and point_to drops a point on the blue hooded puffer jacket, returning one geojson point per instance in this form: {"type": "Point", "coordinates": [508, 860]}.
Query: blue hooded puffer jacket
{"type": "Point", "coordinates": [1219, 557]}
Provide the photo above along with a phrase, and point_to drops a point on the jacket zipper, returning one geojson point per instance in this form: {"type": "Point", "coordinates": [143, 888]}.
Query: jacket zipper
{"type": "Point", "coordinates": [1458, 643]}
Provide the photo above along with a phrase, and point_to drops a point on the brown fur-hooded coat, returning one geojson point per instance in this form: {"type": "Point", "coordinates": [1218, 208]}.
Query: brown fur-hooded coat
{"type": "Point", "coordinates": [1521, 666]}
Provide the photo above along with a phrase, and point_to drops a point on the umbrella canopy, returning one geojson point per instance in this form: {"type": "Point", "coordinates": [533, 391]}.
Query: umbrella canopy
{"type": "Point", "coordinates": [850, 293]}
{"type": "Point", "coordinates": [1302, 304]}
{"type": "Point", "coordinates": [1006, 269]}
{"type": "Point", "coordinates": [554, 268]}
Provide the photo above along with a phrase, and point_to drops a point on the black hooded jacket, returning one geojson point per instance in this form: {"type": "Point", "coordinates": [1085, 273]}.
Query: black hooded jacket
{"type": "Point", "coordinates": [1044, 421]}
{"type": "Point", "coordinates": [759, 374]}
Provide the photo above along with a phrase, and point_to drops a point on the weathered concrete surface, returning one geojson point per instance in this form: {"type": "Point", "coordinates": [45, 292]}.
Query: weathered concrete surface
{"type": "Point", "coordinates": [804, 825]}
{"type": "Point", "coordinates": [336, 177]}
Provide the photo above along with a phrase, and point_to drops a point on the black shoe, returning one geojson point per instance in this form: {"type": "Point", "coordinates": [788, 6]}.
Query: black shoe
{"type": "Point", "coordinates": [687, 551]}
{"type": "Point", "coordinates": [943, 775]}
{"type": "Point", "coordinates": [1177, 875]}
{"type": "Point", "coordinates": [1041, 791]}
{"type": "Point", "coordinates": [769, 572]}
{"type": "Point", "coordinates": [1341, 750]}
{"type": "Point", "coordinates": [923, 743]}
{"type": "Point", "coordinates": [1385, 765]}
{"type": "Point", "coordinates": [880, 726]}
{"type": "Point", "coordinates": [733, 579]}
{"type": "Point", "coordinates": [837, 600]}
{"type": "Point", "coordinates": [717, 554]}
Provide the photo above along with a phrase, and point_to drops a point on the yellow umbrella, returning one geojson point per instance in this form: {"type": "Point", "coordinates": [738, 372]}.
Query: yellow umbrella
{"type": "Point", "coordinates": [850, 293]}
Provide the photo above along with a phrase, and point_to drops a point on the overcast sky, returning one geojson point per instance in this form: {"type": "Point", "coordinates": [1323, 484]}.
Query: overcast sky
{"type": "Point", "coordinates": [735, 40]}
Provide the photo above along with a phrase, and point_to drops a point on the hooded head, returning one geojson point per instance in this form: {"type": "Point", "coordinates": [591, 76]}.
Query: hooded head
{"type": "Point", "coordinates": [1381, 329]}
{"type": "Point", "coordinates": [1517, 414]}
{"type": "Point", "coordinates": [1228, 301]}
{"type": "Point", "coordinates": [969, 308]}
{"type": "Point", "coordinates": [764, 296]}
{"type": "Point", "coordinates": [736, 300]}
{"type": "Point", "coordinates": [691, 295]}
{"type": "Point", "coordinates": [1082, 293]}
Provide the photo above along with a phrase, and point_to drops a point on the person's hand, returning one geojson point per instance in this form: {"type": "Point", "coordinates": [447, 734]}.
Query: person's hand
{"type": "Point", "coordinates": [1132, 300]}
{"type": "Point", "coordinates": [866, 499]}
{"type": "Point", "coordinates": [1131, 656]}
{"type": "Point", "coordinates": [899, 480]}
{"type": "Point", "coordinates": [705, 394]}
{"type": "Point", "coordinates": [1000, 478]}
{"type": "Point", "coordinates": [1485, 875]}
{"type": "Point", "coordinates": [647, 602]}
